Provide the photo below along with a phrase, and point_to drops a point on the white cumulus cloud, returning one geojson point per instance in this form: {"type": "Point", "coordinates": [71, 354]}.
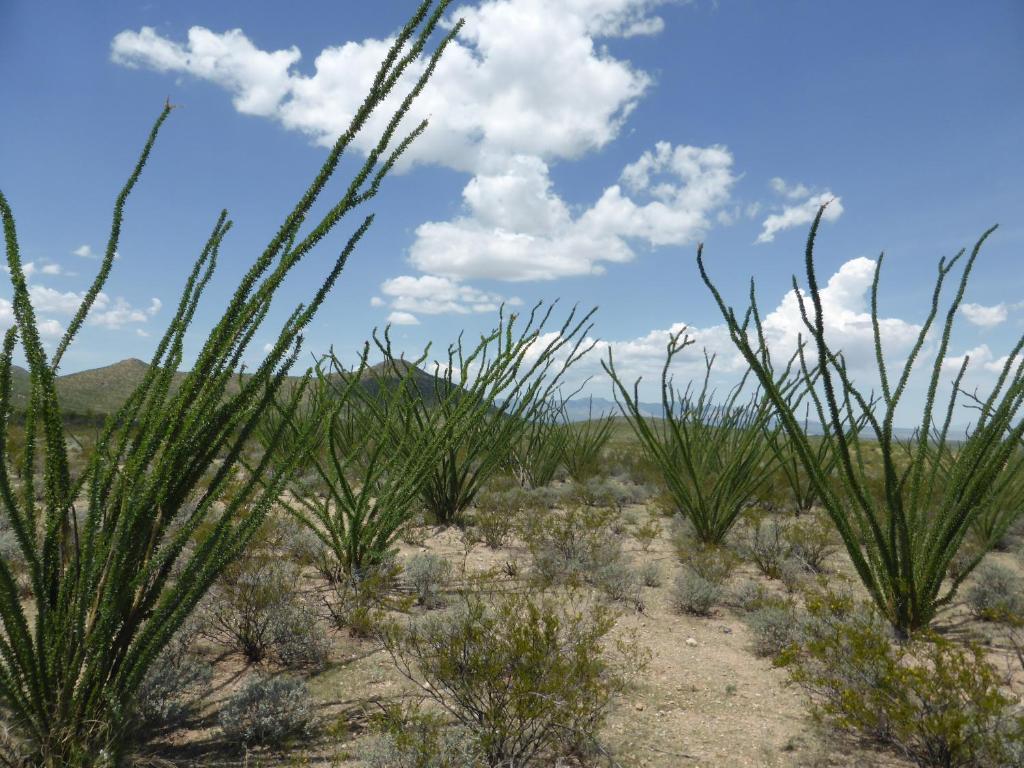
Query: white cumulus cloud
{"type": "Point", "coordinates": [800, 214]}
{"type": "Point", "coordinates": [516, 228]}
{"type": "Point", "coordinates": [987, 317]}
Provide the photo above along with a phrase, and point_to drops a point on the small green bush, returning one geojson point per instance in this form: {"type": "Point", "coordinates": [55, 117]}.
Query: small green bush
{"type": "Point", "coordinates": [774, 628]}
{"type": "Point", "coordinates": [812, 541]}
{"type": "Point", "coordinates": [496, 512]}
{"type": "Point", "coordinates": [174, 685]}
{"type": "Point", "coordinates": [749, 596]}
{"type": "Point", "coordinates": [694, 594]}
{"type": "Point", "coordinates": [650, 574]}
{"type": "Point", "coordinates": [530, 677]}
{"type": "Point", "coordinates": [619, 582]}
{"type": "Point", "coordinates": [572, 546]}
{"type": "Point", "coordinates": [360, 604]}
{"type": "Point", "coordinates": [242, 609]}
{"type": "Point", "coordinates": [996, 594]}
{"type": "Point", "coordinates": [765, 545]}
{"type": "Point", "coordinates": [298, 639]}
{"type": "Point", "coordinates": [428, 574]}
{"type": "Point", "coordinates": [267, 711]}
{"type": "Point", "coordinates": [937, 703]}
{"type": "Point", "coordinates": [646, 533]}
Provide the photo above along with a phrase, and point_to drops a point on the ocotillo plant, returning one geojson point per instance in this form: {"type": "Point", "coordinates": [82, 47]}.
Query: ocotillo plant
{"type": "Point", "coordinates": [114, 560]}
{"type": "Point", "coordinates": [802, 490]}
{"type": "Point", "coordinates": [584, 441]}
{"type": "Point", "coordinates": [487, 396]}
{"type": "Point", "coordinates": [537, 455]}
{"type": "Point", "coordinates": [902, 535]}
{"type": "Point", "coordinates": [372, 462]}
{"type": "Point", "coordinates": [714, 455]}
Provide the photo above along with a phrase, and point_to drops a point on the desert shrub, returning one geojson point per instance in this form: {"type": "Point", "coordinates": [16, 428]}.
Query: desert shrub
{"type": "Point", "coordinates": [360, 604]}
{"type": "Point", "coordinates": [937, 703]}
{"type": "Point", "coordinates": [619, 582]}
{"type": "Point", "coordinates": [268, 711]}
{"type": "Point", "coordinates": [765, 545]}
{"type": "Point", "coordinates": [109, 591]}
{"type": "Point", "coordinates": [714, 455]}
{"type": "Point", "coordinates": [173, 686]}
{"type": "Point", "coordinates": [792, 574]}
{"type": "Point", "coordinates": [529, 677]}
{"type": "Point", "coordinates": [650, 574]}
{"type": "Point", "coordinates": [428, 574]}
{"type": "Point", "coordinates": [812, 540]}
{"type": "Point", "coordinates": [996, 594]}
{"type": "Point", "coordinates": [902, 507]}
{"type": "Point", "coordinates": [497, 511]}
{"type": "Point", "coordinates": [774, 627]}
{"type": "Point", "coordinates": [607, 492]}
{"type": "Point", "coordinates": [242, 610]}
{"type": "Point", "coordinates": [749, 596]}
{"type": "Point", "coordinates": [635, 466]}
{"type": "Point", "coordinates": [646, 533]}
{"type": "Point", "coordinates": [572, 546]}
{"type": "Point", "coordinates": [694, 594]}
{"type": "Point", "coordinates": [298, 639]}
{"type": "Point", "coordinates": [714, 563]}
{"type": "Point", "coordinates": [422, 743]}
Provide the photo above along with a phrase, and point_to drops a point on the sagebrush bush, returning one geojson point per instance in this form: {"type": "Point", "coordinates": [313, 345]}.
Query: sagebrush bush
{"type": "Point", "coordinates": [937, 703]}
{"type": "Point", "coordinates": [694, 594]}
{"type": "Point", "coordinates": [530, 677]}
{"type": "Point", "coordinates": [714, 564]}
{"type": "Point", "coordinates": [268, 711]}
{"type": "Point", "coordinates": [996, 594]}
{"type": "Point", "coordinates": [360, 604]}
{"type": "Point", "coordinates": [774, 627]}
{"type": "Point", "coordinates": [572, 546]}
{"type": "Point", "coordinates": [812, 541]}
{"type": "Point", "coordinates": [646, 533]}
{"type": "Point", "coordinates": [428, 574]}
{"type": "Point", "coordinates": [765, 544]}
{"type": "Point", "coordinates": [496, 512]}
{"type": "Point", "coordinates": [175, 684]}
{"type": "Point", "coordinates": [242, 610]}
{"type": "Point", "coordinates": [298, 639]}
{"type": "Point", "coordinates": [619, 582]}
{"type": "Point", "coordinates": [650, 574]}
{"type": "Point", "coordinates": [748, 596]}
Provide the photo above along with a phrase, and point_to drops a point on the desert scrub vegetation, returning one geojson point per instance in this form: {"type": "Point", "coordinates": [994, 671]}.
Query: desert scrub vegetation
{"type": "Point", "coordinates": [109, 578]}
{"type": "Point", "coordinates": [529, 676]}
{"type": "Point", "coordinates": [902, 507]}
{"type": "Point", "coordinates": [370, 459]}
{"type": "Point", "coordinates": [938, 703]}
{"type": "Point", "coordinates": [996, 593]}
{"type": "Point", "coordinates": [268, 711]}
{"type": "Point", "coordinates": [485, 397]}
{"type": "Point", "coordinates": [713, 455]}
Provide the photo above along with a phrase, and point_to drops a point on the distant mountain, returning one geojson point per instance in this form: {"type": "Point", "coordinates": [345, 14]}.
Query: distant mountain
{"type": "Point", "coordinates": [583, 408]}
{"type": "Point", "coordinates": [98, 392]}
{"type": "Point", "coordinates": [94, 393]}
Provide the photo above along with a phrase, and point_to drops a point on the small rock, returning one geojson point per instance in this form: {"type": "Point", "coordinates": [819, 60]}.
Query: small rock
{"type": "Point", "coordinates": [691, 641]}
{"type": "Point", "coordinates": [639, 706]}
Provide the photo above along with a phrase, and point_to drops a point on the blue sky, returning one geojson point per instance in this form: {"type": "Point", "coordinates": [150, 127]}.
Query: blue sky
{"type": "Point", "coordinates": [579, 149]}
